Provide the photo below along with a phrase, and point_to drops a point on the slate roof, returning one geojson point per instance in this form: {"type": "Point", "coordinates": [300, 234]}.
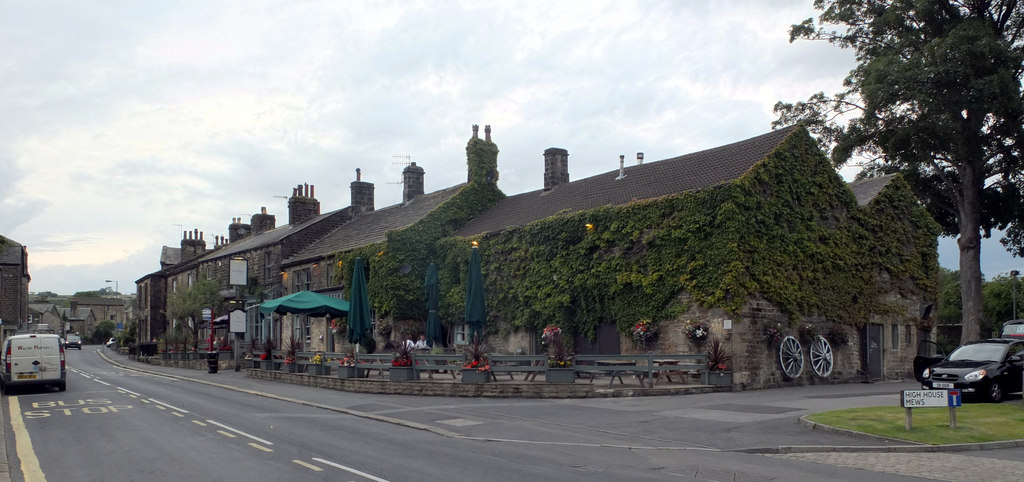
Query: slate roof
{"type": "Point", "coordinates": [865, 190]}
{"type": "Point", "coordinates": [372, 227]}
{"type": "Point", "coordinates": [99, 301]}
{"type": "Point", "coordinates": [170, 256]}
{"type": "Point", "coordinates": [651, 180]}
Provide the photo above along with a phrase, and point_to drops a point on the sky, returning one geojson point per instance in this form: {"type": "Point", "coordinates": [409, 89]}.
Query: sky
{"type": "Point", "coordinates": [126, 123]}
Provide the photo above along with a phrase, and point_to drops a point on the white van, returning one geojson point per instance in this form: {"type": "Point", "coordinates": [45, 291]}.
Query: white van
{"type": "Point", "coordinates": [36, 359]}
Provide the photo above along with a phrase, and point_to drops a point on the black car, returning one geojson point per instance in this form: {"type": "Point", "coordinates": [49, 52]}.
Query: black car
{"type": "Point", "coordinates": [989, 369]}
{"type": "Point", "coordinates": [73, 341]}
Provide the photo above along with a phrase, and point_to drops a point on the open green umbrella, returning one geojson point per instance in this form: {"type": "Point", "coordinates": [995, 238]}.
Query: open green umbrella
{"type": "Point", "coordinates": [306, 303]}
{"type": "Point", "coordinates": [359, 311]}
{"type": "Point", "coordinates": [476, 312]}
{"type": "Point", "coordinates": [431, 289]}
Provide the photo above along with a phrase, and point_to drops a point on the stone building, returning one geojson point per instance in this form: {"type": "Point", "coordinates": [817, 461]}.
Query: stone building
{"type": "Point", "coordinates": [14, 280]}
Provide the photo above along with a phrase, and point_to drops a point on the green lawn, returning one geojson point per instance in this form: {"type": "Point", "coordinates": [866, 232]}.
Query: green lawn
{"type": "Point", "coordinates": [975, 422]}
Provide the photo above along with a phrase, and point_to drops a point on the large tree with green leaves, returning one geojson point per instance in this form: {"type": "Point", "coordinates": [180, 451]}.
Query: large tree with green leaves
{"type": "Point", "coordinates": [185, 306]}
{"type": "Point", "coordinates": [935, 95]}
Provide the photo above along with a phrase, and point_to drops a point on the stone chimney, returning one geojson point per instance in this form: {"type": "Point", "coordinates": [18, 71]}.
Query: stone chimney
{"type": "Point", "coordinates": [362, 195]}
{"type": "Point", "coordinates": [237, 230]}
{"type": "Point", "coordinates": [412, 182]}
{"type": "Point", "coordinates": [262, 222]}
{"type": "Point", "coordinates": [192, 245]}
{"type": "Point", "coordinates": [556, 167]}
{"type": "Point", "coordinates": [303, 204]}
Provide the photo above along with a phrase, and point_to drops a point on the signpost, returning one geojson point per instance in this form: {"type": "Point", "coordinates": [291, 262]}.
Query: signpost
{"type": "Point", "coordinates": [911, 399]}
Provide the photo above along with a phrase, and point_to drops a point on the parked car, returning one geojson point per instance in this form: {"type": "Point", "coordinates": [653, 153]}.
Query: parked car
{"type": "Point", "coordinates": [111, 343]}
{"type": "Point", "coordinates": [73, 341]}
{"type": "Point", "coordinates": [987, 369]}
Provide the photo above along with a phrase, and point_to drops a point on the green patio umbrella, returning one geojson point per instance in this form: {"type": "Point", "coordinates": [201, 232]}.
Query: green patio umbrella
{"type": "Point", "coordinates": [476, 312]}
{"type": "Point", "coordinates": [431, 289]}
{"type": "Point", "coordinates": [306, 303]}
{"type": "Point", "coordinates": [359, 312]}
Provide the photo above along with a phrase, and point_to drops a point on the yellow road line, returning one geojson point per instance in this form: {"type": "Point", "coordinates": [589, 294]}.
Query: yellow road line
{"type": "Point", "coordinates": [197, 422]}
{"type": "Point", "coordinates": [227, 434]}
{"type": "Point", "coordinates": [176, 414]}
{"type": "Point", "coordinates": [308, 466]}
{"type": "Point", "coordinates": [23, 445]}
{"type": "Point", "coordinates": [258, 446]}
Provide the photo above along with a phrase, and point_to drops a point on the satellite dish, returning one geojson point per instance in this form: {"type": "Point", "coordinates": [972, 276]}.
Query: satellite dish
{"type": "Point", "coordinates": [404, 269]}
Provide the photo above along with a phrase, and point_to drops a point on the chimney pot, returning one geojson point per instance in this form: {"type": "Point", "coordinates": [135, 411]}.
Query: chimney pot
{"type": "Point", "coordinates": [639, 158]}
{"type": "Point", "coordinates": [487, 133]}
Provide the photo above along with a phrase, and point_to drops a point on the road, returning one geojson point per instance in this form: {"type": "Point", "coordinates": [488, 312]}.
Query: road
{"type": "Point", "coordinates": [117, 423]}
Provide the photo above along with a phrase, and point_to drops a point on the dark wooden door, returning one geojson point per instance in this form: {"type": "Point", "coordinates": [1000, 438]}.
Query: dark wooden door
{"type": "Point", "coordinates": [872, 351]}
{"type": "Point", "coordinates": [606, 342]}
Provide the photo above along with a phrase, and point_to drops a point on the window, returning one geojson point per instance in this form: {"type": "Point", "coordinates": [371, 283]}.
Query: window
{"type": "Point", "coordinates": [306, 277]}
{"type": "Point", "coordinates": [461, 334]}
{"type": "Point", "coordinates": [296, 282]}
{"type": "Point", "coordinates": [266, 267]}
{"type": "Point", "coordinates": [330, 274]}
{"type": "Point", "coordinates": [909, 333]}
{"type": "Point", "coordinates": [191, 279]}
{"type": "Point", "coordinates": [895, 336]}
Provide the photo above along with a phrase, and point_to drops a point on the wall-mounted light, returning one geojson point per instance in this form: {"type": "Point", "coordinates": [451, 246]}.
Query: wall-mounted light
{"type": "Point", "coordinates": [590, 227]}
{"type": "Point", "coordinates": [476, 244]}
{"type": "Point", "coordinates": [380, 253]}
{"type": "Point", "coordinates": [339, 263]}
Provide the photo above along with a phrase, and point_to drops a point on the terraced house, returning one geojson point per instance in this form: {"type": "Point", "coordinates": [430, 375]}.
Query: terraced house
{"type": "Point", "coordinates": [759, 244]}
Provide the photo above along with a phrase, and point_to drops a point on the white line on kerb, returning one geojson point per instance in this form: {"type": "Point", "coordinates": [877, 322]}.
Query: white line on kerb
{"type": "Point", "coordinates": [350, 469]}
{"type": "Point", "coordinates": [172, 407]}
{"type": "Point", "coordinates": [129, 391]}
{"type": "Point", "coordinates": [239, 432]}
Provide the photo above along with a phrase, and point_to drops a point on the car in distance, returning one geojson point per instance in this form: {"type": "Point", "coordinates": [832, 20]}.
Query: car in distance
{"type": "Point", "coordinates": [111, 342]}
{"type": "Point", "coordinates": [34, 359]}
{"type": "Point", "coordinates": [989, 369]}
{"type": "Point", "coordinates": [73, 341]}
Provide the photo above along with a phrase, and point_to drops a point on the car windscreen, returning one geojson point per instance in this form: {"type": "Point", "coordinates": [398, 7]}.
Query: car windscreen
{"type": "Point", "coordinates": [74, 338]}
{"type": "Point", "coordinates": [979, 352]}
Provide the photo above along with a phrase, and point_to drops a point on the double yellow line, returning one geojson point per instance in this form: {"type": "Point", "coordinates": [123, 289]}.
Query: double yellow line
{"type": "Point", "coordinates": [23, 444]}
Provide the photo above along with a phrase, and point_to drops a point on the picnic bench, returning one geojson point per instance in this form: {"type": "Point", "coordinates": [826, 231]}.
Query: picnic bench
{"type": "Point", "coordinates": [531, 365]}
{"type": "Point", "coordinates": [647, 367]}
{"type": "Point", "coordinates": [374, 361]}
{"type": "Point", "coordinates": [439, 363]}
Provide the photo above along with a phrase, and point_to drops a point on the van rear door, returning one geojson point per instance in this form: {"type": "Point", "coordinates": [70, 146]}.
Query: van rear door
{"type": "Point", "coordinates": [35, 358]}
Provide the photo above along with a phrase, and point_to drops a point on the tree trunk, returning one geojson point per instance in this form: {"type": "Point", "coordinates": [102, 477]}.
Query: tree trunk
{"type": "Point", "coordinates": [969, 243]}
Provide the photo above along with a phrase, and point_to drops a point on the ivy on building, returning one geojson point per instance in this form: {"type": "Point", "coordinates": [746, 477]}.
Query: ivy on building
{"type": "Point", "coordinates": [789, 231]}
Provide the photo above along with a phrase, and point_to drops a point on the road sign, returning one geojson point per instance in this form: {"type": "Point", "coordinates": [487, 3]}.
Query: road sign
{"type": "Point", "coordinates": [207, 314]}
{"type": "Point", "coordinates": [236, 322]}
{"type": "Point", "coordinates": [924, 398]}
{"type": "Point", "coordinates": [954, 398]}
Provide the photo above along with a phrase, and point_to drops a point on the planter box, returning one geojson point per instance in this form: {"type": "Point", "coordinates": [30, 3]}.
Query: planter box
{"type": "Point", "coordinates": [472, 375]}
{"type": "Point", "coordinates": [314, 369]}
{"type": "Point", "coordinates": [351, 372]}
{"type": "Point", "coordinates": [718, 379]}
{"type": "Point", "coordinates": [402, 374]}
{"type": "Point", "coordinates": [560, 375]}
{"type": "Point", "coordinates": [266, 364]}
{"type": "Point", "coordinates": [290, 367]}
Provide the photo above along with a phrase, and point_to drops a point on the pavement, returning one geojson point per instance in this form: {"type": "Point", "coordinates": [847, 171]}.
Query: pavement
{"type": "Point", "coordinates": [825, 445]}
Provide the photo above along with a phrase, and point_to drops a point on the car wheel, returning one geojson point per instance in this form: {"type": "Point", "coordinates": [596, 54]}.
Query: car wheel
{"type": "Point", "coordinates": [995, 392]}
{"type": "Point", "coordinates": [62, 386]}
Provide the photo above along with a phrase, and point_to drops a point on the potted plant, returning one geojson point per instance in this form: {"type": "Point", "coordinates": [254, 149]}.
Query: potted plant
{"type": "Point", "coordinates": [291, 350]}
{"type": "Point", "coordinates": [560, 368]}
{"type": "Point", "coordinates": [401, 365]}
{"type": "Point", "coordinates": [267, 357]}
{"type": "Point", "coordinates": [718, 373]}
{"type": "Point", "coordinates": [318, 365]}
{"type": "Point", "coordinates": [347, 367]}
{"type": "Point", "coordinates": [477, 369]}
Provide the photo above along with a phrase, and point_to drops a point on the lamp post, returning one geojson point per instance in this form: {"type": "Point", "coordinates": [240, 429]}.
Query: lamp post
{"type": "Point", "coordinates": [1014, 274]}
{"type": "Point", "coordinates": [116, 291]}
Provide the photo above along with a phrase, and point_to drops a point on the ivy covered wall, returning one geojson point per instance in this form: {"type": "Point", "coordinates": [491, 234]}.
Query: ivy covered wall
{"type": "Point", "coordinates": [789, 231]}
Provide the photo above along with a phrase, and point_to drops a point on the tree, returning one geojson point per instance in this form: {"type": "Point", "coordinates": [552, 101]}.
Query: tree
{"type": "Point", "coordinates": [104, 331]}
{"type": "Point", "coordinates": [186, 306]}
{"type": "Point", "coordinates": [936, 96]}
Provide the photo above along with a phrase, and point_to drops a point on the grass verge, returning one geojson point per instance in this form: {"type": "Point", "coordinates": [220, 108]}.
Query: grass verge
{"type": "Point", "coordinates": [976, 422]}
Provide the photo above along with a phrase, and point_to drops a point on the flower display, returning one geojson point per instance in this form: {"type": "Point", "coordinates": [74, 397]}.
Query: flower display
{"type": "Point", "coordinates": [696, 330]}
{"type": "Point", "coordinates": [644, 331]}
{"type": "Point", "coordinates": [403, 356]}
{"type": "Point", "coordinates": [548, 334]}
{"type": "Point", "coordinates": [772, 333]}
{"type": "Point", "coordinates": [317, 359]}
{"type": "Point", "coordinates": [476, 353]}
{"type": "Point", "coordinates": [349, 360]}
{"type": "Point", "coordinates": [559, 354]}
{"type": "Point", "coordinates": [718, 356]}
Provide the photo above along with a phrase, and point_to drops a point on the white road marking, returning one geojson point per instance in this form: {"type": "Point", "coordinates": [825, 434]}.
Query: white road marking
{"type": "Point", "coordinates": [129, 391]}
{"type": "Point", "coordinates": [308, 465]}
{"type": "Point", "coordinates": [103, 382]}
{"type": "Point", "coordinates": [350, 469]}
{"type": "Point", "coordinates": [239, 432]}
{"type": "Point", "coordinates": [172, 407]}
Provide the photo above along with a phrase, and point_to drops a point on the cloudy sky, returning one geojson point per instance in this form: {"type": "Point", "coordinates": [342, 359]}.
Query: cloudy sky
{"type": "Point", "coordinates": [125, 123]}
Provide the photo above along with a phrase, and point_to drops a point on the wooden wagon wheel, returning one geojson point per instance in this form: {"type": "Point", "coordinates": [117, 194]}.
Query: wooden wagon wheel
{"type": "Point", "coordinates": [821, 357]}
{"type": "Point", "coordinates": [791, 357]}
